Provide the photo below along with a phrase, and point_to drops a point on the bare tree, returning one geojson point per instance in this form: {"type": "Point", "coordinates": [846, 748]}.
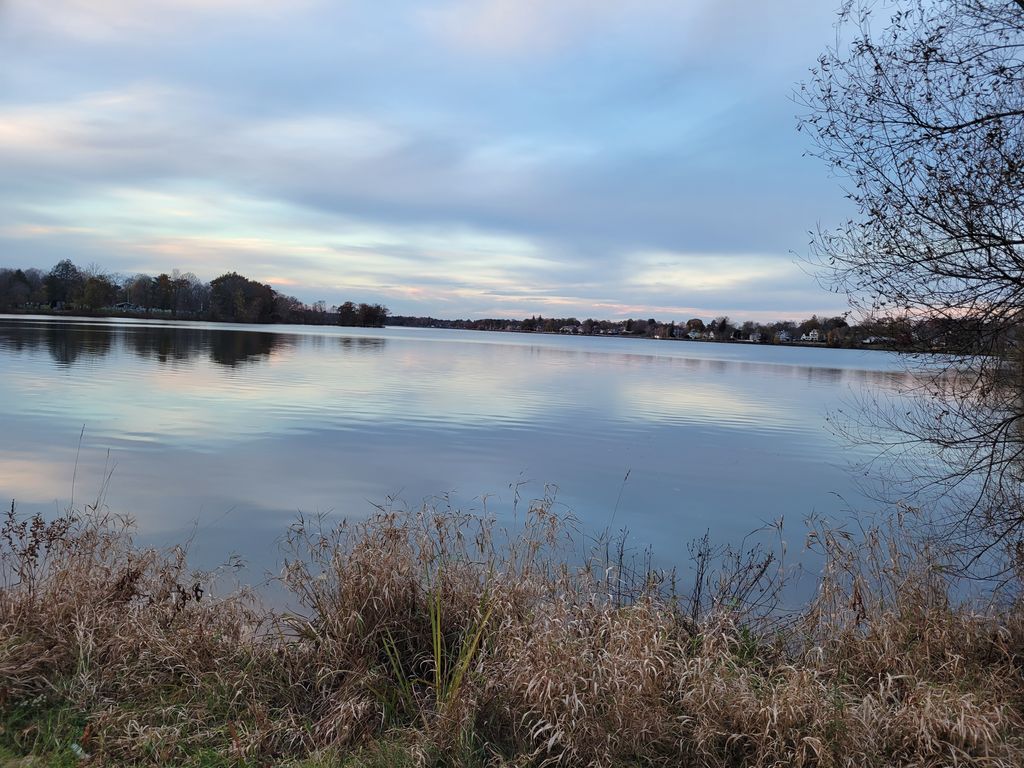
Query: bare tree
{"type": "Point", "coordinates": [921, 111]}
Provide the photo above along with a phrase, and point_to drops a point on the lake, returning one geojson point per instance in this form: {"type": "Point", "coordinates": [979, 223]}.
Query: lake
{"type": "Point", "coordinates": [223, 434]}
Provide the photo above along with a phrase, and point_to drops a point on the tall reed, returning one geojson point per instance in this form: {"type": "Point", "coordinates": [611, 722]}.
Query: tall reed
{"type": "Point", "coordinates": [461, 641]}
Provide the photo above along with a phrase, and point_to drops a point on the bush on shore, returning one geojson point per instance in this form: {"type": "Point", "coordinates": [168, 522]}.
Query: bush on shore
{"type": "Point", "coordinates": [434, 638]}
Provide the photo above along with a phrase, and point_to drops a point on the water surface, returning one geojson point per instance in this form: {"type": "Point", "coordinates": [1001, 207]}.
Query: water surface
{"type": "Point", "coordinates": [224, 433]}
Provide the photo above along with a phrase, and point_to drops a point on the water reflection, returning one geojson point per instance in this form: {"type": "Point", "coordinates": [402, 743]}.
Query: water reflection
{"type": "Point", "coordinates": [233, 349]}
{"type": "Point", "coordinates": [69, 343]}
{"type": "Point", "coordinates": [165, 345]}
{"type": "Point", "coordinates": [266, 421]}
{"type": "Point", "coordinates": [360, 344]}
{"type": "Point", "coordinates": [66, 346]}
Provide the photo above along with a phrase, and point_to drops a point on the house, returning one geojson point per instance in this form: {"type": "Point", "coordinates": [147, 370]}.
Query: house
{"type": "Point", "coordinates": [812, 335]}
{"type": "Point", "coordinates": [693, 335]}
{"type": "Point", "coordinates": [783, 337]}
{"type": "Point", "coordinates": [710, 335]}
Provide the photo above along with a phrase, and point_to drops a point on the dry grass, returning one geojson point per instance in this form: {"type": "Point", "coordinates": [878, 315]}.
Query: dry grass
{"type": "Point", "coordinates": [465, 644]}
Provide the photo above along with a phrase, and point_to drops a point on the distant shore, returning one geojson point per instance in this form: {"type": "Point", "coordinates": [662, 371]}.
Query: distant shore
{"type": "Point", "coordinates": [166, 315]}
{"type": "Point", "coordinates": [69, 291]}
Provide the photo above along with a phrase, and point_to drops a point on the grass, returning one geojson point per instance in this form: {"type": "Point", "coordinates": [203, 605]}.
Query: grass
{"type": "Point", "coordinates": [432, 638]}
{"type": "Point", "coordinates": [39, 728]}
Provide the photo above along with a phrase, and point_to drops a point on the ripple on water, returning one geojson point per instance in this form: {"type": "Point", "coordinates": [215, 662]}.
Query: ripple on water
{"type": "Point", "coordinates": [279, 419]}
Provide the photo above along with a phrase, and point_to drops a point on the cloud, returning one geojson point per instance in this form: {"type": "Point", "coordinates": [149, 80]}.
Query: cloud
{"type": "Point", "coordinates": [699, 273]}
{"type": "Point", "coordinates": [488, 157]}
{"type": "Point", "coordinates": [528, 28]}
{"type": "Point", "coordinates": [503, 27]}
{"type": "Point", "coordinates": [723, 35]}
{"type": "Point", "coordinates": [102, 21]}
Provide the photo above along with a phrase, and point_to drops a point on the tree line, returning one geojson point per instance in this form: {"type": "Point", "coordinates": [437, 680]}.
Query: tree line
{"type": "Point", "coordinates": [232, 297]}
{"type": "Point", "coordinates": [229, 298]}
{"type": "Point", "coordinates": [889, 331]}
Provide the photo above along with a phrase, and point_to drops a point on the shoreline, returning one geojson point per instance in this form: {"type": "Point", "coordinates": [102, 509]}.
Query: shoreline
{"type": "Point", "coordinates": [167, 319]}
{"type": "Point", "coordinates": [417, 641]}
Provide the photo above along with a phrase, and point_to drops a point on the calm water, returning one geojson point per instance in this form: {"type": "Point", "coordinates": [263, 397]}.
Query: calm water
{"type": "Point", "coordinates": [224, 433]}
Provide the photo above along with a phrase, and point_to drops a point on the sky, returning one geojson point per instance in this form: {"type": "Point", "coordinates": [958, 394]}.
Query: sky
{"type": "Point", "coordinates": [454, 158]}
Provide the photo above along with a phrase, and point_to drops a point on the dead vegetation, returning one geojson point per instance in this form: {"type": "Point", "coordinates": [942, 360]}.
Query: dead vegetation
{"type": "Point", "coordinates": [465, 643]}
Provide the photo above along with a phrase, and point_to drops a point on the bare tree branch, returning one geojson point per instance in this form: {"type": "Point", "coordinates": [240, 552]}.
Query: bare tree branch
{"type": "Point", "coordinates": [924, 117]}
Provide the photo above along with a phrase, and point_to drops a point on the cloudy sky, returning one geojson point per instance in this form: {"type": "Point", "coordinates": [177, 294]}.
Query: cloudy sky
{"type": "Point", "coordinates": [460, 158]}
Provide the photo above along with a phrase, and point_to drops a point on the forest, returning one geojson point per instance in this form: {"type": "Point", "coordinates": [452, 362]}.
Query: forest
{"type": "Point", "coordinates": [231, 297]}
